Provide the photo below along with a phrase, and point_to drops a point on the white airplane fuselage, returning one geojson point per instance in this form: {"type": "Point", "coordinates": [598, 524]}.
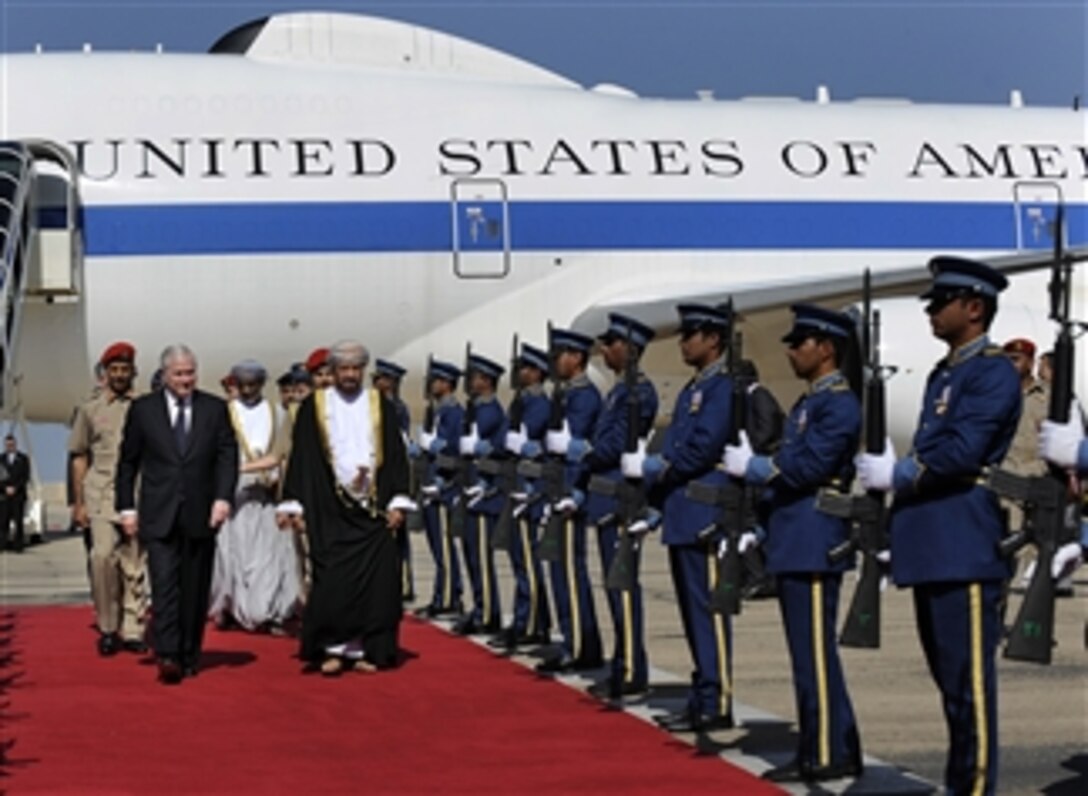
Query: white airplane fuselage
{"type": "Point", "coordinates": [260, 209]}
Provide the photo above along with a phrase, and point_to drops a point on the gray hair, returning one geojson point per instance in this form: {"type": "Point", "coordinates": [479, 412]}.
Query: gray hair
{"type": "Point", "coordinates": [349, 352]}
{"type": "Point", "coordinates": [175, 351]}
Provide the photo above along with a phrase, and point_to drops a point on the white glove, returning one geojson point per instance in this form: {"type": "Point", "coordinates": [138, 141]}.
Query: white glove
{"type": "Point", "coordinates": [468, 442]}
{"type": "Point", "coordinates": [875, 470]}
{"type": "Point", "coordinates": [566, 506]}
{"type": "Point", "coordinates": [557, 442]}
{"type": "Point", "coordinates": [1059, 443]}
{"type": "Point", "coordinates": [426, 440]}
{"type": "Point", "coordinates": [631, 463]}
{"type": "Point", "coordinates": [747, 541]}
{"type": "Point", "coordinates": [736, 457]}
{"type": "Point", "coordinates": [515, 440]}
{"type": "Point", "coordinates": [474, 494]}
{"type": "Point", "coordinates": [1066, 560]}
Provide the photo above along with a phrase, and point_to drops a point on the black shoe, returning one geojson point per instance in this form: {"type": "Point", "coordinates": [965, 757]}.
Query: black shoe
{"type": "Point", "coordinates": [189, 670]}
{"type": "Point", "coordinates": [849, 768]}
{"type": "Point", "coordinates": [37, 539]}
{"type": "Point", "coordinates": [534, 639]}
{"type": "Point", "coordinates": [617, 689]}
{"type": "Point", "coordinates": [792, 771]}
{"type": "Point", "coordinates": [695, 722]}
{"type": "Point", "coordinates": [563, 664]}
{"type": "Point", "coordinates": [506, 640]}
{"type": "Point", "coordinates": [466, 627]}
{"type": "Point", "coordinates": [134, 645]}
{"type": "Point", "coordinates": [170, 672]}
{"type": "Point", "coordinates": [410, 597]}
{"type": "Point", "coordinates": [108, 644]}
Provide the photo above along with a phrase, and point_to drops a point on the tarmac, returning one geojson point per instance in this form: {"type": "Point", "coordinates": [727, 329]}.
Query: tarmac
{"type": "Point", "coordinates": [1043, 710]}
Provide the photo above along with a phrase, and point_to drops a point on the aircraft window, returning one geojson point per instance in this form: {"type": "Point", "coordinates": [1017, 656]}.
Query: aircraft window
{"type": "Point", "coordinates": [238, 41]}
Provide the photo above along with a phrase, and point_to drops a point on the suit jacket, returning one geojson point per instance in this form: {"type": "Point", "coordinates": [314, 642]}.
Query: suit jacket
{"type": "Point", "coordinates": [176, 488]}
{"type": "Point", "coordinates": [16, 474]}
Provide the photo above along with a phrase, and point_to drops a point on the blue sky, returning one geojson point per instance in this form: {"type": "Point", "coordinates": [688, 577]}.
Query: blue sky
{"type": "Point", "coordinates": [937, 51]}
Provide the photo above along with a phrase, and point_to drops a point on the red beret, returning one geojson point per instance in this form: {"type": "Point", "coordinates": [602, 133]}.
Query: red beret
{"type": "Point", "coordinates": [118, 351]}
{"type": "Point", "coordinates": [317, 358]}
{"type": "Point", "coordinates": [1019, 345]}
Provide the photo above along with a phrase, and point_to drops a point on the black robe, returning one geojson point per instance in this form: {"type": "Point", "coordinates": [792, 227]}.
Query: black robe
{"type": "Point", "coordinates": [355, 591]}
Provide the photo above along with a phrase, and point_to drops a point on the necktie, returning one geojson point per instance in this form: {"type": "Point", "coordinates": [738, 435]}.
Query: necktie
{"type": "Point", "coordinates": [181, 433]}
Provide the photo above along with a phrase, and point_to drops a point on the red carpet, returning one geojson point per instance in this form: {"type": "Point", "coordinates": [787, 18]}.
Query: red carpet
{"type": "Point", "coordinates": [453, 718]}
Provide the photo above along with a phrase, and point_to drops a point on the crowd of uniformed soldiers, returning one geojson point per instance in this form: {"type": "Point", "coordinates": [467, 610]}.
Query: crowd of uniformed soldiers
{"type": "Point", "coordinates": [525, 473]}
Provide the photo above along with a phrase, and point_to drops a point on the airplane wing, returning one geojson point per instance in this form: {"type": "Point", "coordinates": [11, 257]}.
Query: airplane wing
{"type": "Point", "coordinates": [765, 303]}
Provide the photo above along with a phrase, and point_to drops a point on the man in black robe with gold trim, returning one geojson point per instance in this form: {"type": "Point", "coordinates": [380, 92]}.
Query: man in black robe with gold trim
{"type": "Point", "coordinates": [347, 485]}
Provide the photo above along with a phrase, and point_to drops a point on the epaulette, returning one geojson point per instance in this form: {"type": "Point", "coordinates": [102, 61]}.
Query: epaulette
{"type": "Point", "coordinates": [993, 351]}
{"type": "Point", "coordinates": [841, 386]}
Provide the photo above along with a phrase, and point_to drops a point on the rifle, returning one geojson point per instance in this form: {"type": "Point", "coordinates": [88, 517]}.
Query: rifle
{"type": "Point", "coordinates": [867, 513]}
{"type": "Point", "coordinates": [622, 574]}
{"type": "Point", "coordinates": [505, 470]}
{"type": "Point", "coordinates": [731, 499]}
{"type": "Point", "coordinates": [1050, 513]}
{"type": "Point", "coordinates": [552, 472]}
{"type": "Point", "coordinates": [456, 465]}
{"type": "Point", "coordinates": [421, 463]}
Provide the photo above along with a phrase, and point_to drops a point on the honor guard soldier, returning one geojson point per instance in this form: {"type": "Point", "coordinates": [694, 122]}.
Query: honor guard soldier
{"type": "Point", "coordinates": [571, 589]}
{"type": "Point", "coordinates": [483, 503]}
{"type": "Point", "coordinates": [817, 453]}
{"type": "Point", "coordinates": [386, 379]}
{"type": "Point", "coordinates": [945, 524]}
{"type": "Point", "coordinates": [442, 379]}
{"type": "Point", "coordinates": [118, 579]}
{"type": "Point", "coordinates": [622, 344]}
{"type": "Point", "coordinates": [532, 619]}
{"type": "Point", "coordinates": [701, 424]}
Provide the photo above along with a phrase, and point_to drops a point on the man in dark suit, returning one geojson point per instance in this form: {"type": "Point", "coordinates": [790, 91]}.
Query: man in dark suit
{"type": "Point", "coordinates": [14, 476]}
{"type": "Point", "coordinates": [181, 444]}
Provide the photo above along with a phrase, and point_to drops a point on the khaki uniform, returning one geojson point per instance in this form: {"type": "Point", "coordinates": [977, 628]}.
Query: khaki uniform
{"type": "Point", "coordinates": [119, 585]}
{"type": "Point", "coordinates": [1023, 456]}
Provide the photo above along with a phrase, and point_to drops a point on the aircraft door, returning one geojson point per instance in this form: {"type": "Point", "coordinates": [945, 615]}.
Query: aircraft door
{"type": "Point", "coordinates": [481, 229]}
{"type": "Point", "coordinates": [1037, 204]}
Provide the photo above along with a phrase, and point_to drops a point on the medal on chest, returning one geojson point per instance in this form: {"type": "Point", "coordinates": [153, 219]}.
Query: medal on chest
{"type": "Point", "coordinates": [696, 402]}
{"type": "Point", "coordinates": [940, 407]}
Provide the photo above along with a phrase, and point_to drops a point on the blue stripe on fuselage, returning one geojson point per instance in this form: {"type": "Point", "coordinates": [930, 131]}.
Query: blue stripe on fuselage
{"type": "Point", "coordinates": [298, 227]}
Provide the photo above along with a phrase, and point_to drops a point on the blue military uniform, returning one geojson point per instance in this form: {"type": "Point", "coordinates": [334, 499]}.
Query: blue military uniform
{"type": "Point", "coordinates": [571, 589]}
{"type": "Point", "coordinates": [449, 419]}
{"type": "Point", "coordinates": [482, 511]}
{"type": "Point", "coordinates": [601, 455]}
{"type": "Point", "coordinates": [945, 527]}
{"type": "Point", "coordinates": [532, 618]}
{"type": "Point", "coordinates": [700, 426]}
{"type": "Point", "coordinates": [383, 367]}
{"type": "Point", "coordinates": [817, 452]}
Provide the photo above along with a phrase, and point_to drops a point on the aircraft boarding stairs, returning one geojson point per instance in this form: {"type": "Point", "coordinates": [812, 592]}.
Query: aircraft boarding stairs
{"type": "Point", "coordinates": [41, 252]}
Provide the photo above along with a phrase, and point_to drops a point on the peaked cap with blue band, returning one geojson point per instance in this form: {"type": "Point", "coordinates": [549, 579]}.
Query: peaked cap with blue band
{"type": "Point", "coordinates": [956, 274]}
{"type": "Point", "coordinates": [533, 357]}
{"type": "Point", "coordinates": [444, 370]}
{"type": "Point", "coordinates": [486, 366]}
{"type": "Point", "coordinates": [568, 338]}
{"type": "Point", "coordinates": [383, 367]}
{"type": "Point", "coordinates": [812, 321]}
{"type": "Point", "coordinates": [624, 326]}
{"type": "Point", "coordinates": [695, 316]}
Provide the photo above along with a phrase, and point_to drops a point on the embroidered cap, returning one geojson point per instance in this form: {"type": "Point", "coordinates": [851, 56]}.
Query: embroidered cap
{"type": "Point", "coordinates": [248, 370]}
{"type": "Point", "coordinates": [812, 321]}
{"type": "Point", "coordinates": [570, 340]}
{"type": "Point", "coordinates": [533, 357]}
{"type": "Point", "coordinates": [952, 275]}
{"type": "Point", "coordinates": [487, 367]}
{"type": "Point", "coordinates": [622, 327]}
{"type": "Point", "coordinates": [699, 316]}
{"type": "Point", "coordinates": [444, 370]}
{"type": "Point", "coordinates": [383, 367]}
